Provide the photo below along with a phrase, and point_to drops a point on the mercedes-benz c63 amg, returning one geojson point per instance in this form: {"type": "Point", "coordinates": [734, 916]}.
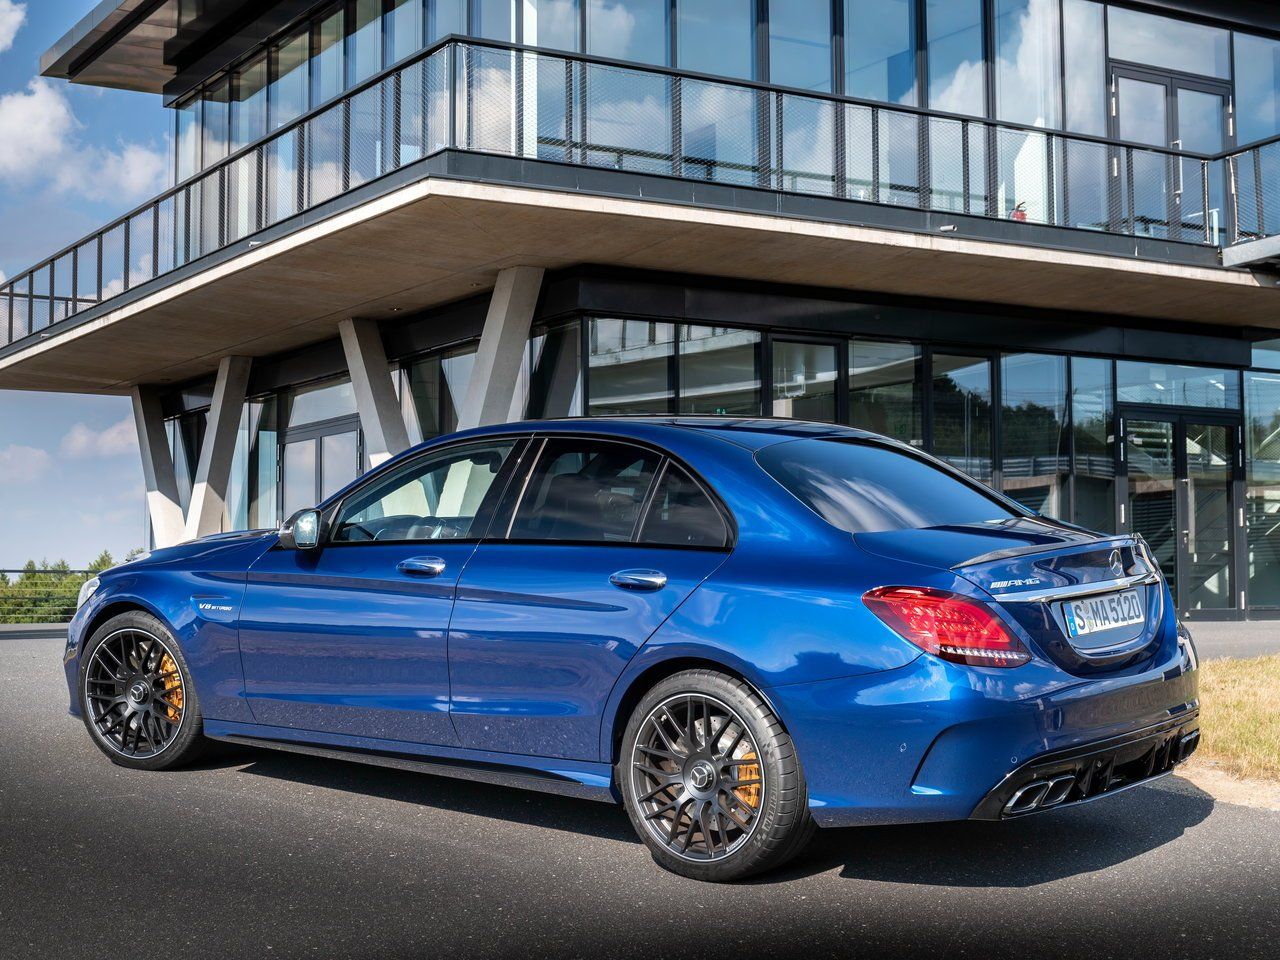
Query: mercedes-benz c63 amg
{"type": "Point", "coordinates": [741, 630]}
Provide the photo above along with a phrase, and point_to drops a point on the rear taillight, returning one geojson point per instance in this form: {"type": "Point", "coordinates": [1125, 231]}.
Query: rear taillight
{"type": "Point", "coordinates": [947, 625]}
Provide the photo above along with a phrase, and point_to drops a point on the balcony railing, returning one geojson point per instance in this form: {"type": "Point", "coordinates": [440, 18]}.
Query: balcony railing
{"type": "Point", "coordinates": [515, 101]}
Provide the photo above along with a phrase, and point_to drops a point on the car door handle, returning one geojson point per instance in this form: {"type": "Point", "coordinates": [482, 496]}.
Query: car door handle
{"type": "Point", "coordinates": [639, 579]}
{"type": "Point", "coordinates": [422, 566]}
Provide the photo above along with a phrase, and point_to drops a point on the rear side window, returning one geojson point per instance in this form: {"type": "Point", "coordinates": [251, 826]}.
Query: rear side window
{"type": "Point", "coordinates": [682, 515]}
{"type": "Point", "coordinates": [585, 490]}
{"type": "Point", "coordinates": [868, 488]}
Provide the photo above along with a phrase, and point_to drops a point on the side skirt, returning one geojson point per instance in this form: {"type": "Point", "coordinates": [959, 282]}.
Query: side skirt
{"type": "Point", "coordinates": [479, 771]}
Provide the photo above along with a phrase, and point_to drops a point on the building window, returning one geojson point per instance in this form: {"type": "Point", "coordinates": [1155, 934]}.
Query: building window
{"type": "Point", "coordinates": [445, 17]}
{"type": "Point", "coordinates": [551, 24]}
{"type": "Point", "coordinates": [957, 68]}
{"type": "Point", "coordinates": [800, 44]}
{"type": "Point", "coordinates": [433, 390]}
{"type": "Point", "coordinates": [1093, 433]}
{"type": "Point", "coordinates": [1085, 66]}
{"type": "Point", "coordinates": [288, 92]}
{"type": "Point", "coordinates": [1035, 448]}
{"type": "Point", "coordinates": [217, 105]}
{"type": "Point", "coordinates": [1257, 87]}
{"type": "Point", "coordinates": [880, 50]}
{"type": "Point", "coordinates": [886, 389]}
{"type": "Point", "coordinates": [1169, 384]}
{"type": "Point", "coordinates": [1172, 44]}
{"type": "Point", "coordinates": [364, 46]}
{"type": "Point", "coordinates": [717, 36]}
{"type": "Point", "coordinates": [249, 103]}
{"type": "Point", "coordinates": [630, 367]}
{"type": "Point", "coordinates": [316, 404]}
{"type": "Point", "coordinates": [328, 68]}
{"type": "Point", "coordinates": [1028, 61]}
{"type": "Point", "coordinates": [405, 30]}
{"type": "Point", "coordinates": [555, 372]}
{"type": "Point", "coordinates": [1262, 492]}
{"type": "Point", "coordinates": [629, 30]}
{"type": "Point", "coordinates": [719, 371]}
{"type": "Point", "coordinates": [494, 19]}
{"type": "Point", "coordinates": [962, 412]}
{"type": "Point", "coordinates": [187, 138]}
{"type": "Point", "coordinates": [804, 380]}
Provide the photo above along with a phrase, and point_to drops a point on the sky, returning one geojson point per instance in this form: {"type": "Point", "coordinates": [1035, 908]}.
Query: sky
{"type": "Point", "coordinates": [71, 159]}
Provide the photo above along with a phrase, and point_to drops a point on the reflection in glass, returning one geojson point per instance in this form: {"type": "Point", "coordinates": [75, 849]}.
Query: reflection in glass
{"type": "Point", "coordinates": [188, 138]}
{"type": "Point", "coordinates": [1210, 456]}
{"type": "Point", "coordinates": [630, 367]}
{"type": "Point", "coordinates": [551, 24]}
{"type": "Point", "coordinates": [719, 371]}
{"type": "Point", "coordinates": [404, 29]}
{"type": "Point", "coordinates": [298, 466]}
{"type": "Point", "coordinates": [327, 65]}
{"type": "Point", "coordinates": [1257, 87]}
{"type": "Point", "coordinates": [365, 42]}
{"type": "Point", "coordinates": [1171, 384]}
{"type": "Point", "coordinates": [1027, 62]}
{"type": "Point", "coordinates": [494, 19]}
{"type": "Point", "coordinates": [1266, 353]}
{"type": "Point", "coordinates": [1262, 488]}
{"type": "Point", "coordinates": [1094, 476]}
{"type": "Point", "coordinates": [962, 413]}
{"type": "Point", "coordinates": [217, 108]}
{"type": "Point", "coordinates": [880, 50]}
{"type": "Point", "coordinates": [1164, 42]}
{"type": "Point", "coordinates": [800, 44]}
{"type": "Point", "coordinates": [1085, 66]}
{"type": "Point", "coordinates": [555, 373]}
{"type": "Point", "coordinates": [885, 389]}
{"type": "Point", "coordinates": [808, 145]}
{"type": "Point", "coordinates": [1035, 450]}
{"type": "Point", "coordinates": [445, 17]}
{"type": "Point", "coordinates": [957, 72]}
{"type": "Point", "coordinates": [718, 123]}
{"type": "Point", "coordinates": [628, 119]}
{"type": "Point", "coordinates": [288, 94]}
{"type": "Point", "coordinates": [628, 30]}
{"type": "Point", "coordinates": [1149, 453]}
{"type": "Point", "coordinates": [717, 36]}
{"type": "Point", "coordinates": [318, 403]}
{"type": "Point", "coordinates": [433, 390]}
{"type": "Point", "coordinates": [249, 104]}
{"type": "Point", "coordinates": [1142, 111]}
{"type": "Point", "coordinates": [1202, 129]}
{"type": "Point", "coordinates": [804, 380]}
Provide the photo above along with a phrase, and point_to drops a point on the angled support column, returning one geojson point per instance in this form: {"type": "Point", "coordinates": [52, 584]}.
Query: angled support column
{"type": "Point", "coordinates": [209, 491]}
{"type": "Point", "coordinates": [381, 417]}
{"type": "Point", "coordinates": [163, 504]}
{"type": "Point", "coordinates": [500, 358]}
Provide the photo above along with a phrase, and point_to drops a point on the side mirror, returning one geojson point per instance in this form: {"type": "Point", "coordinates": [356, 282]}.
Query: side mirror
{"type": "Point", "coordinates": [303, 531]}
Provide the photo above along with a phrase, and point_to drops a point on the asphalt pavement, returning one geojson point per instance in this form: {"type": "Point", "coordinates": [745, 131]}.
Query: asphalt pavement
{"type": "Point", "coordinates": [264, 854]}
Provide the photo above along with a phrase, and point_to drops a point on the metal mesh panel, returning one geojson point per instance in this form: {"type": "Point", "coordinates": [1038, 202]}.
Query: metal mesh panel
{"type": "Point", "coordinates": [548, 90]}
{"type": "Point", "coordinates": [489, 117]}
{"type": "Point", "coordinates": [113, 262]}
{"type": "Point", "coordinates": [948, 166]}
{"type": "Point", "coordinates": [142, 238]}
{"type": "Point", "coordinates": [324, 152]}
{"type": "Point", "coordinates": [243, 196]}
{"type": "Point", "coordinates": [406, 114]}
{"type": "Point", "coordinates": [366, 146]}
{"type": "Point", "coordinates": [283, 178]}
{"type": "Point", "coordinates": [440, 94]}
{"type": "Point", "coordinates": [720, 138]}
{"type": "Point", "coordinates": [41, 306]}
{"type": "Point", "coordinates": [207, 214]}
{"type": "Point", "coordinates": [6, 308]}
{"type": "Point", "coordinates": [167, 230]}
{"type": "Point", "coordinates": [859, 153]}
{"type": "Point", "coordinates": [21, 307]}
{"type": "Point", "coordinates": [898, 158]}
{"type": "Point", "coordinates": [87, 273]}
{"type": "Point", "coordinates": [1024, 189]}
{"type": "Point", "coordinates": [627, 118]}
{"type": "Point", "coordinates": [64, 280]}
{"type": "Point", "coordinates": [1086, 190]}
{"type": "Point", "coordinates": [1148, 177]}
{"type": "Point", "coordinates": [806, 138]}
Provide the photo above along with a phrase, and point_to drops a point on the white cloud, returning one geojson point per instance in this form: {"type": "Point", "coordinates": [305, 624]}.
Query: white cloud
{"type": "Point", "coordinates": [12, 16]}
{"type": "Point", "coordinates": [42, 145]}
{"type": "Point", "coordinates": [83, 442]}
{"type": "Point", "coordinates": [19, 464]}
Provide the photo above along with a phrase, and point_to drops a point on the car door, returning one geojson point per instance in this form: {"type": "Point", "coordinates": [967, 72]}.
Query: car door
{"type": "Point", "coordinates": [350, 638]}
{"type": "Point", "coordinates": [606, 540]}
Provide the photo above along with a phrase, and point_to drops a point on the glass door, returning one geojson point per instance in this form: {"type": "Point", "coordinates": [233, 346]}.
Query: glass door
{"type": "Point", "coordinates": [1172, 198]}
{"type": "Point", "coordinates": [807, 380]}
{"type": "Point", "coordinates": [1183, 475]}
{"type": "Point", "coordinates": [315, 464]}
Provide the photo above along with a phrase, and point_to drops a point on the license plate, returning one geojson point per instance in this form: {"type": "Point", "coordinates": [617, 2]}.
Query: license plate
{"type": "Point", "coordinates": [1104, 612]}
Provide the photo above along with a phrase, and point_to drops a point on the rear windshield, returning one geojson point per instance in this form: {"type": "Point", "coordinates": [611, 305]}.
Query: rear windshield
{"type": "Point", "coordinates": [869, 488]}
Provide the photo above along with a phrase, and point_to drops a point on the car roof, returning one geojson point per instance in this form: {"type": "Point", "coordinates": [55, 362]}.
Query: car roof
{"type": "Point", "coordinates": [749, 433]}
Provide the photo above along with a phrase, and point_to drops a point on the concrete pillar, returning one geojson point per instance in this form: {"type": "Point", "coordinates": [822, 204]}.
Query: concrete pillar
{"type": "Point", "coordinates": [500, 358]}
{"type": "Point", "coordinates": [209, 491]}
{"type": "Point", "coordinates": [381, 417]}
{"type": "Point", "coordinates": [164, 508]}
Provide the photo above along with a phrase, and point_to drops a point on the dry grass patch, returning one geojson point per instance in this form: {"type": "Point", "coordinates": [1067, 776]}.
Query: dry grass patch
{"type": "Point", "coordinates": [1240, 716]}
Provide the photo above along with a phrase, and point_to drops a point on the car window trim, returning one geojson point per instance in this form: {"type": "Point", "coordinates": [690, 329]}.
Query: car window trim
{"type": "Point", "coordinates": [726, 515]}
{"type": "Point", "coordinates": [509, 467]}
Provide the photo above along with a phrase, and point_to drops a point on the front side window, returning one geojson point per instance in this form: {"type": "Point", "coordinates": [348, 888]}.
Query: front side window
{"type": "Point", "coordinates": [682, 515]}
{"type": "Point", "coordinates": [868, 488]}
{"type": "Point", "coordinates": [589, 491]}
{"type": "Point", "coordinates": [437, 497]}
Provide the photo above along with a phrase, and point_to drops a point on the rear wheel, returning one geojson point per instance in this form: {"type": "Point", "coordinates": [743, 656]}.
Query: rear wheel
{"type": "Point", "coordinates": [136, 695]}
{"type": "Point", "coordinates": [711, 780]}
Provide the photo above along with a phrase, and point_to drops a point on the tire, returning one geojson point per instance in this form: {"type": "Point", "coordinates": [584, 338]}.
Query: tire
{"type": "Point", "coordinates": [752, 815]}
{"type": "Point", "coordinates": [136, 696]}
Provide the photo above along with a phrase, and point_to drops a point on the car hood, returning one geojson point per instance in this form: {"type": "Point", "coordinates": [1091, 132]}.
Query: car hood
{"type": "Point", "coordinates": [203, 546]}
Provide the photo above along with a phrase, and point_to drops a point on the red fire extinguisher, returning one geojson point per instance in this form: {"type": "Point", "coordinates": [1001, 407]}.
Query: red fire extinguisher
{"type": "Point", "coordinates": [1019, 212]}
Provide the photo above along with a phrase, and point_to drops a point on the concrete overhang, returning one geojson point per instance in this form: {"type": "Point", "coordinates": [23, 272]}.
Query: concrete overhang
{"type": "Point", "coordinates": [437, 240]}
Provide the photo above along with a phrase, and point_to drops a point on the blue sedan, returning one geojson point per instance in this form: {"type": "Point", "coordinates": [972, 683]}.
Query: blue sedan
{"type": "Point", "coordinates": [741, 629]}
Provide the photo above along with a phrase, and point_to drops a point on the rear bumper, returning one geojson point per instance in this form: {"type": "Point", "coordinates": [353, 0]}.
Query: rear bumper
{"type": "Point", "coordinates": [1070, 777]}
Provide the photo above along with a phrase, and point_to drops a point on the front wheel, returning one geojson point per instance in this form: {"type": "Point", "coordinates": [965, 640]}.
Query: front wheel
{"type": "Point", "coordinates": [711, 780]}
{"type": "Point", "coordinates": [136, 695]}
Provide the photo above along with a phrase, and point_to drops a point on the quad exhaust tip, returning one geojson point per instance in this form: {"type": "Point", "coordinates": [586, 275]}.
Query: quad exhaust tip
{"type": "Point", "coordinates": [1040, 795]}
